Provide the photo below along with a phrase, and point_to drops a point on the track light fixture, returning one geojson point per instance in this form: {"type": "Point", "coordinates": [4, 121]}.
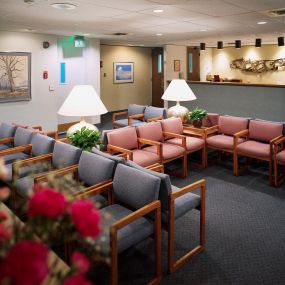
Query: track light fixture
{"type": "Point", "coordinates": [280, 41]}
{"type": "Point", "coordinates": [220, 45]}
{"type": "Point", "coordinates": [238, 43]}
{"type": "Point", "coordinates": [258, 43]}
{"type": "Point", "coordinates": [202, 46]}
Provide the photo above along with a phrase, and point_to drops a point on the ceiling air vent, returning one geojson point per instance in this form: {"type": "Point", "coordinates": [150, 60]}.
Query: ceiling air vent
{"type": "Point", "coordinates": [120, 34]}
{"type": "Point", "coordinates": [275, 13]}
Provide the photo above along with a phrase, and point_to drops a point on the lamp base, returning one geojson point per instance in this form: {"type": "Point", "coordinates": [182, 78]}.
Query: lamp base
{"type": "Point", "coordinates": [79, 126]}
{"type": "Point", "coordinates": [178, 111]}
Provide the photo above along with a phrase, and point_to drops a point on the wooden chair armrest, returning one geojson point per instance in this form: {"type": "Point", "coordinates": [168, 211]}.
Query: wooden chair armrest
{"type": "Point", "coordinates": [136, 116]}
{"type": "Point", "coordinates": [154, 119]}
{"type": "Point", "coordinates": [211, 130]}
{"type": "Point", "coordinates": [53, 134]}
{"type": "Point", "coordinates": [154, 143]}
{"type": "Point", "coordinates": [276, 139]}
{"type": "Point", "coordinates": [111, 148]}
{"type": "Point", "coordinates": [194, 131]}
{"type": "Point", "coordinates": [6, 140]}
{"type": "Point", "coordinates": [118, 114]}
{"type": "Point", "coordinates": [242, 133]}
{"type": "Point", "coordinates": [280, 140]}
{"type": "Point", "coordinates": [65, 140]}
{"type": "Point", "coordinates": [22, 148]}
{"type": "Point", "coordinates": [156, 167]}
{"type": "Point", "coordinates": [37, 128]}
{"type": "Point", "coordinates": [171, 135]}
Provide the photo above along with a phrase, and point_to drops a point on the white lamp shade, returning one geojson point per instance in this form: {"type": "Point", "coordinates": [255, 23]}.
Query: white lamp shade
{"type": "Point", "coordinates": [178, 90]}
{"type": "Point", "coordinates": [82, 101]}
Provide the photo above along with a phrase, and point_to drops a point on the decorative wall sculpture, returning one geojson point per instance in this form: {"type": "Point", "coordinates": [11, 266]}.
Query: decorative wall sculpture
{"type": "Point", "coordinates": [258, 66]}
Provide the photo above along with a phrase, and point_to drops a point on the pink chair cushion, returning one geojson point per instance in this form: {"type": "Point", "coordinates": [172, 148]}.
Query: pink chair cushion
{"type": "Point", "coordinates": [173, 125]}
{"type": "Point", "coordinates": [169, 150]}
{"type": "Point", "coordinates": [144, 158]}
{"type": "Point", "coordinates": [254, 148]}
{"type": "Point", "coordinates": [222, 142]}
{"type": "Point", "coordinates": [150, 131]}
{"type": "Point", "coordinates": [211, 120]}
{"type": "Point", "coordinates": [192, 143]}
{"type": "Point", "coordinates": [281, 156]}
{"type": "Point", "coordinates": [124, 137]}
{"type": "Point", "coordinates": [229, 125]}
{"type": "Point", "coordinates": [264, 131]}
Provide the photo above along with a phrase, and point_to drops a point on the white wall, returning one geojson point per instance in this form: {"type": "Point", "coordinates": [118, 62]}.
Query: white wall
{"type": "Point", "coordinates": [41, 110]}
{"type": "Point", "coordinates": [206, 63]}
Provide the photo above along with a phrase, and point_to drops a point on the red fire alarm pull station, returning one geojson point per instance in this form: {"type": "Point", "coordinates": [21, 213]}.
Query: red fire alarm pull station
{"type": "Point", "coordinates": [45, 75]}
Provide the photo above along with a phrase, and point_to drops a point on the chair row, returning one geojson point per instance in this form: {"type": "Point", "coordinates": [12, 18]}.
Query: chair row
{"type": "Point", "coordinates": [138, 114]}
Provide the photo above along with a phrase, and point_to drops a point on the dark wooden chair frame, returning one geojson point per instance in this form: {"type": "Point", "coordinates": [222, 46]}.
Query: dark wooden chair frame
{"type": "Point", "coordinates": [278, 146]}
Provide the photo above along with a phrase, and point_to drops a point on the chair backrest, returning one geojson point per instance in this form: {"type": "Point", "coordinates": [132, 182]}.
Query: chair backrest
{"type": "Point", "coordinates": [115, 158]}
{"type": "Point", "coordinates": [94, 168]}
{"type": "Point", "coordinates": [165, 184]}
{"type": "Point", "coordinates": [124, 137]}
{"type": "Point", "coordinates": [154, 112]}
{"type": "Point", "coordinates": [65, 155]}
{"type": "Point", "coordinates": [104, 137]}
{"type": "Point", "coordinates": [23, 136]}
{"type": "Point", "coordinates": [264, 130]}
{"type": "Point", "coordinates": [173, 125]}
{"type": "Point", "coordinates": [230, 125]}
{"type": "Point", "coordinates": [7, 130]}
{"type": "Point", "coordinates": [135, 109]}
{"type": "Point", "coordinates": [42, 145]}
{"type": "Point", "coordinates": [151, 131]}
{"type": "Point", "coordinates": [134, 187]}
{"type": "Point", "coordinates": [211, 120]}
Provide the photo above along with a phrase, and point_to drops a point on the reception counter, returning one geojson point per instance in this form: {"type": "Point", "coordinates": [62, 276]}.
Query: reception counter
{"type": "Point", "coordinates": [263, 101]}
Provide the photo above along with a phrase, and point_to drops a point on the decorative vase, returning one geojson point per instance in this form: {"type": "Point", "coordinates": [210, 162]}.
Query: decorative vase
{"type": "Point", "coordinates": [197, 124]}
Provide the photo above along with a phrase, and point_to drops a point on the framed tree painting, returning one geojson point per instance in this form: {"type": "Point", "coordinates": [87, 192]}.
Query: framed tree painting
{"type": "Point", "coordinates": [123, 72]}
{"type": "Point", "coordinates": [15, 76]}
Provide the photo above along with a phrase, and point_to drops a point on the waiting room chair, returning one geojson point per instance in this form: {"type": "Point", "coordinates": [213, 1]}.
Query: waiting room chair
{"type": "Point", "coordinates": [175, 203]}
{"type": "Point", "coordinates": [279, 159]}
{"type": "Point", "coordinates": [7, 132]}
{"type": "Point", "coordinates": [260, 138]}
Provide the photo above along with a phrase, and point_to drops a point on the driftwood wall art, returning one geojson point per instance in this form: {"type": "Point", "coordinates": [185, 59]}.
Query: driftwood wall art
{"type": "Point", "coordinates": [258, 66]}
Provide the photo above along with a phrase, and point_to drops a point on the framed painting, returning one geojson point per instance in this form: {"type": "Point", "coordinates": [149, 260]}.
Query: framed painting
{"type": "Point", "coordinates": [123, 72]}
{"type": "Point", "coordinates": [177, 65]}
{"type": "Point", "coordinates": [15, 76]}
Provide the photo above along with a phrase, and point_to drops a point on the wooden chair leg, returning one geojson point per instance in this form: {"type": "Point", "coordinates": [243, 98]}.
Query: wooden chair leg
{"type": "Point", "coordinates": [275, 173]}
{"type": "Point", "coordinates": [184, 166]}
{"type": "Point", "coordinates": [114, 261]}
{"type": "Point", "coordinates": [270, 173]}
{"type": "Point", "coordinates": [235, 162]}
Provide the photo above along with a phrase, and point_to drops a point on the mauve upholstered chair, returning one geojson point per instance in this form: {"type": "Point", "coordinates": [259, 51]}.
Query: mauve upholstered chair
{"type": "Point", "coordinates": [193, 144]}
{"type": "Point", "coordinates": [175, 203]}
{"type": "Point", "coordinates": [125, 140]}
{"type": "Point", "coordinates": [260, 138]}
{"type": "Point", "coordinates": [135, 217]}
{"type": "Point", "coordinates": [279, 159]}
{"type": "Point", "coordinates": [211, 120]}
{"type": "Point", "coordinates": [229, 132]}
{"type": "Point", "coordinates": [168, 151]}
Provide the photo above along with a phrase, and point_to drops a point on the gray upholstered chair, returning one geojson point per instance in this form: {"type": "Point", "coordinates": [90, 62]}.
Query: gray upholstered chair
{"type": "Point", "coordinates": [175, 203]}
{"type": "Point", "coordinates": [128, 225]}
{"type": "Point", "coordinates": [115, 158]}
{"type": "Point", "coordinates": [22, 146]}
{"type": "Point", "coordinates": [63, 155]}
{"type": "Point", "coordinates": [154, 113]}
{"type": "Point", "coordinates": [7, 132]}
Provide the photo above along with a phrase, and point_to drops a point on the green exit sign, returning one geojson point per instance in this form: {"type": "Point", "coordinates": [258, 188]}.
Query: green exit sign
{"type": "Point", "coordinates": [79, 41]}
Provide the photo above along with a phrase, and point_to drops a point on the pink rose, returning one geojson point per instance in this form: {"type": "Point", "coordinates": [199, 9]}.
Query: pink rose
{"type": "Point", "coordinates": [25, 263]}
{"type": "Point", "coordinates": [47, 202]}
{"type": "Point", "coordinates": [5, 233]}
{"type": "Point", "coordinates": [77, 280]}
{"type": "Point", "coordinates": [80, 262]}
{"type": "Point", "coordinates": [3, 216]}
{"type": "Point", "coordinates": [86, 218]}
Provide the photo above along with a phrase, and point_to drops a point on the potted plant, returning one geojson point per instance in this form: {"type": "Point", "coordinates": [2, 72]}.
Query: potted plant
{"type": "Point", "coordinates": [85, 139]}
{"type": "Point", "coordinates": [196, 116]}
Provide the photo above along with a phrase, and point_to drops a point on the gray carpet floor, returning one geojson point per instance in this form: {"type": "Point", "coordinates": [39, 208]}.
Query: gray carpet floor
{"type": "Point", "coordinates": [245, 233]}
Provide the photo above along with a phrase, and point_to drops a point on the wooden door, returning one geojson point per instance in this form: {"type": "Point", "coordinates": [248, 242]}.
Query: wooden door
{"type": "Point", "coordinates": [157, 77]}
{"type": "Point", "coordinates": [193, 63]}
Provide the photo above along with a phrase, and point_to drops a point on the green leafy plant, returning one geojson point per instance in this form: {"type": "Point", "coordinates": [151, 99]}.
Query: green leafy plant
{"type": "Point", "coordinates": [196, 115]}
{"type": "Point", "coordinates": [85, 139]}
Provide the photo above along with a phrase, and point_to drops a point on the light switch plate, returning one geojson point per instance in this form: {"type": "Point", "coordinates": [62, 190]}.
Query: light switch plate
{"type": "Point", "coordinates": [51, 88]}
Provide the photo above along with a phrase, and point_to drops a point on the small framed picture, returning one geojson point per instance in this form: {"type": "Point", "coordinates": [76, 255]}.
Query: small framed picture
{"type": "Point", "coordinates": [123, 72]}
{"type": "Point", "coordinates": [176, 65]}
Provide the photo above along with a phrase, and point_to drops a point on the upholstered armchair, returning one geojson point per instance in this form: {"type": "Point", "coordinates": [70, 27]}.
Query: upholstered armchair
{"type": "Point", "coordinates": [260, 138]}
{"type": "Point", "coordinates": [175, 203]}
{"type": "Point", "coordinates": [225, 136]}
{"type": "Point", "coordinates": [168, 151]}
{"type": "Point", "coordinates": [125, 140]}
{"type": "Point", "coordinates": [128, 222]}
{"type": "Point", "coordinates": [211, 120]}
{"type": "Point", "coordinates": [279, 159]}
{"type": "Point", "coordinates": [7, 132]}
{"type": "Point", "coordinates": [193, 143]}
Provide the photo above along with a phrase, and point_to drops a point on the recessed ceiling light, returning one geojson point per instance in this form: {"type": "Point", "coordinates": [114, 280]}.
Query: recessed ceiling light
{"type": "Point", "coordinates": [63, 6]}
{"type": "Point", "coordinates": [86, 34]}
{"type": "Point", "coordinates": [157, 11]}
{"type": "Point", "coordinates": [29, 30]}
{"type": "Point", "coordinates": [204, 30]}
{"type": "Point", "coordinates": [261, 23]}
{"type": "Point", "coordinates": [159, 34]}
{"type": "Point", "coordinates": [29, 2]}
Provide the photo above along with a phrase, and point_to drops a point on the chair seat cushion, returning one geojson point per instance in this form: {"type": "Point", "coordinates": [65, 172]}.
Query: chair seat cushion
{"type": "Point", "coordinates": [182, 205]}
{"type": "Point", "coordinates": [129, 235]}
{"type": "Point", "coordinates": [281, 156]}
{"type": "Point", "coordinates": [169, 150]}
{"type": "Point", "coordinates": [192, 143]}
{"type": "Point", "coordinates": [222, 142]}
{"type": "Point", "coordinates": [13, 157]}
{"type": "Point", "coordinates": [3, 146]}
{"type": "Point", "coordinates": [99, 200]}
{"type": "Point", "coordinates": [254, 148]}
{"type": "Point", "coordinates": [144, 158]}
{"type": "Point", "coordinates": [124, 122]}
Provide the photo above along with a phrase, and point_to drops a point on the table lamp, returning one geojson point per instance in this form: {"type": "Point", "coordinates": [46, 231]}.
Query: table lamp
{"type": "Point", "coordinates": [82, 101]}
{"type": "Point", "coordinates": [178, 90]}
